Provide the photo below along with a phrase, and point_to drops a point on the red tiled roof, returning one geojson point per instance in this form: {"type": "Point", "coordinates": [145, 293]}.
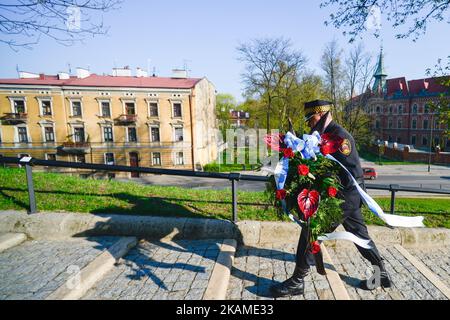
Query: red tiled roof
{"type": "Point", "coordinates": [396, 84]}
{"type": "Point", "coordinates": [109, 81]}
{"type": "Point", "coordinates": [430, 85]}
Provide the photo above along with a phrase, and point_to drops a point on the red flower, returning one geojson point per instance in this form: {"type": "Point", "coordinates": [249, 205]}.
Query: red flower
{"type": "Point", "coordinates": [330, 143]}
{"type": "Point", "coordinates": [275, 141]}
{"type": "Point", "coordinates": [288, 153]}
{"type": "Point", "coordinates": [332, 191]}
{"type": "Point", "coordinates": [303, 169]}
{"type": "Point", "coordinates": [315, 247]}
{"type": "Point", "coordinates": [280, 194]}
{"type": "Point", "coordinates": [308, 202]}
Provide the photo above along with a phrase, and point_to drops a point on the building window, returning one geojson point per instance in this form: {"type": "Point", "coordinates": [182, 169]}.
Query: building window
{"type": "Point", "coordinates": [413, 140]}
{"type": "Point", "coordinates": [377, 124]}
{"type": "Point", "coordinates": [50, 156]}
{"type": "Point", "coordinates": [76, 108]}
{"type": "Point", "coordinates": [132, 136]}
{"type": "Point", "coordinates": [130, 108]}
{"type": "Point", "coordinates": [46, 107]}
{"type": "Point", "coordinates": [436, 124]}
{"type": "Point", "coordinates": [425, 123]}
{"type": "Point", "coordinates": [109, 158]}
{"type": "Point", "coordinates": [436, 141]}
{"type": "Point", "coordinates": [179, 158]}
{"type": "Point", "coordinates": [49, 135]}
{"type": "Point", "coordinates": [19, 106]}
{"type": "Point", "coordinates": [390, 109]}
{"type": "Point", "coordinates": [390, 139]}
{"type": "Point", "coordinates": [22, 133]}
{"type": "Point", "coordinates": [106, 109]}
{"type": "Point", "coordinates": [424, 141]}
{"type": "Point", "coordinates": [177, 110]}
{"type": "Point", "coordinates": [414, 109]}
{"type": "Point", "coordinates": [426, 108]}
{"type": "Point", "coordinates": [108, 134]}
{"type": "Point", "coordinates": [414, 124]}
{"type": "Point", "coordinates": [390, 124]}
{"type": "Point", "coordinates": [399, 123]}
{"type": "Point", "coordinates": [155, 134]}
{"type": "Point", "coordinates": [399, 140]}
{"type": "Point", "coordinates": [80, 158]}
{"type": "Point", "coordinates": [78, 134]}
{"type": "Point", "coordinates": [153, 109]}
{"type": "Point", "coordinates": [156, 158]}
{"type": "Point", "coordinates": [378, 109]}
{"type": "Point", "coordinates": [178, 134]}
{"type": "Point", "coordinates": [400, 109]}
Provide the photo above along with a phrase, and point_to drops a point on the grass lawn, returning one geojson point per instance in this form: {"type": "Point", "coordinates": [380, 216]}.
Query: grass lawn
{"type": "Point", "coordinates": [58, 192]}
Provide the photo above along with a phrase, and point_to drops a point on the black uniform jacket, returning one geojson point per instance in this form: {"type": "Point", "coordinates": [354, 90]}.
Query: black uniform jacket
{"type": "Point", "coordinates": [347, 155]}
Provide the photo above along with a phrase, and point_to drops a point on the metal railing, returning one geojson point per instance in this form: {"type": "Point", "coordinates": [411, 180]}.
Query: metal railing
{"type": "Point", "coordinates": [233, 177]}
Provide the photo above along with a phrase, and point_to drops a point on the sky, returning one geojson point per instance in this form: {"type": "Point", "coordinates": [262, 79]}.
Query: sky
{"type": "Point", "coordinates": [204, 34]}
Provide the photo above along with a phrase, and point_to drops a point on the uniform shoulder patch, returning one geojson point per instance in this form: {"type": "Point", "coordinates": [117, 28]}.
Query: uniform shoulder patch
{"type": "Point", "coordinates": [346, 147]}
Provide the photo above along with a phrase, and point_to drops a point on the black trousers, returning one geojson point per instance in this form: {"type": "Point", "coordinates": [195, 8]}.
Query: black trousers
{"type": "Point", "coordinates": [353, 222]}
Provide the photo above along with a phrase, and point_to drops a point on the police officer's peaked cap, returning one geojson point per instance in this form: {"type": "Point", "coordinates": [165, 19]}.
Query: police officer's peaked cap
{"type": "Point", "coordinates": [317, 106]}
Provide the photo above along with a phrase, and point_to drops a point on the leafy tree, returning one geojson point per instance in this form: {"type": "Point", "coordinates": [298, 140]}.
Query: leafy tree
{"type": "Point", "coordinates": [224, 104]}
{"type": "Point", "coordinates": [415, 15]}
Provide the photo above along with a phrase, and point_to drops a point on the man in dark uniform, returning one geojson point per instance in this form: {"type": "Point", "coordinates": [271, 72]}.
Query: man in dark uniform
{"type": "Point", "coordinates": [318, 117]}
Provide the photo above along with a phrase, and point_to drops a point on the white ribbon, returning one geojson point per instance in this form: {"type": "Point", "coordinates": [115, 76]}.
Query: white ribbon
{"type": "Point", "coordinates": [344, 235]}
{"type": "Point", "coordinates": [390, 219]}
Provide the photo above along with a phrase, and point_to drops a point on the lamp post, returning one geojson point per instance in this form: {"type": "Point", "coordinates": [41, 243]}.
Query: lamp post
{"type": "Point", "coordinates": [431, 143]}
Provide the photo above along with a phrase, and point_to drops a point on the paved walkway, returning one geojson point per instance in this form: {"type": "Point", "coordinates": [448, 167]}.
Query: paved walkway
{"type": "Point", "coordinates": [183, 269]}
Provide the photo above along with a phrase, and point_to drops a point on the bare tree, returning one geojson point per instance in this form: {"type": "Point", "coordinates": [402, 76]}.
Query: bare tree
{"type": "Point", "coordinates": [416, 14]}
{"type": "Point", "coordinates": [268, 62]}
{"type": "Point", "coordinates": [24, 22]}
{"type": "Point", "coordinates": [331, 64]}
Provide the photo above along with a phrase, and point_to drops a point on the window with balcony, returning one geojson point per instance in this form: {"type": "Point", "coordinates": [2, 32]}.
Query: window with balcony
{"type": "Point", "coordinates": [179, 159]}
{"type": "Point", "coordinates": [130, 108]}
{"type": "Point", "coordinates": [46, 106]}
{"type": "Point", "coordinates": [177, 110]}
{"type": "Point", "coordinates": [22, 134]}
{"type": "Point", "coordinates": [19, 106]}
{"type": "Point", "coordinates": [153, 109]}
{"type": "Point", "coordinates": [49, 134]}
{"type": "Point", "coordinates": [178, 134]}
{"type": "Point", "coordinates": [132, 135]}
{"type": "Point", "coordinates": [78, 135]}
{"type": "Point", "coordinates": [108, 134]}
{"type": "Point", "coordinates": [109, 158]}
{"type": "Point", "coordinates": [106, 109]}
{"type": "Point", "coordinates": [76, 109]}
{"type": "Point", "coordinates": [155, 134]}
{"type": "Point", "coordinates": [156, 158]}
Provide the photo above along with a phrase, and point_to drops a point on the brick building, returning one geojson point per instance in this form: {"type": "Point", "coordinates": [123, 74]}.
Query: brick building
{"type": "Point", "coordinates": [400, 110]}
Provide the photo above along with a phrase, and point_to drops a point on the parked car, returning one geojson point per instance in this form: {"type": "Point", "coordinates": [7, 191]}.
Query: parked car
{"type": "Point", "coordinates": [370, 173]}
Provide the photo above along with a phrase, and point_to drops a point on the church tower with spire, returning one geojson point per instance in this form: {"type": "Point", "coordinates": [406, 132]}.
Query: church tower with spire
{"type": "Point", "coordinates": [380, 75]}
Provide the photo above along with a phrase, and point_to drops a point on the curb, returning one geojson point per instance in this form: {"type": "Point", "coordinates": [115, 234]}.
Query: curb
{"type": "Point", "coordinates": [62, 225]}
{"type": "Point", "coordinates": [335, 281]}
{"type": "Point", "coordinates": [93, 272]}
{"type": "Point", "coordinates": [220, 277]}
{"type": "Point", "coordinates": [9, 240]}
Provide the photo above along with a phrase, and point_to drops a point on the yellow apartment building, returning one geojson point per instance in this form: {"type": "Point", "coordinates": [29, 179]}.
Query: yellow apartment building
{"type": "Point", "coordinates": [113, 119]}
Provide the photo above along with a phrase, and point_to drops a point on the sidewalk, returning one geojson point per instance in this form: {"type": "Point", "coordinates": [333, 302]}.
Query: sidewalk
{"type": "Point", "coordinates": [183, 270]}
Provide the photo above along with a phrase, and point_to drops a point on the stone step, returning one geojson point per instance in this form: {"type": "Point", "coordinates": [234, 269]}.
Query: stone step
{"type": "Point", "coordinates": [9, 240]}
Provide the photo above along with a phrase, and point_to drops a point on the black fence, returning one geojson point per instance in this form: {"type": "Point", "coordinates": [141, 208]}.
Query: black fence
{"type": "Point", "coordinates": [233, 177]}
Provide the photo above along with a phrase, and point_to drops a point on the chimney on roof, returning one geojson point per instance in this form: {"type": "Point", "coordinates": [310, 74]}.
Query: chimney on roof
{"type": "Point", "coordinates": [425, 84]}
{"type": "Point", "coordinates": [41, 76]}
{"type": "Point", "coordinates": [141, 73]}
{"type": "Point", "coordinates": [82, 73]}
{"type": "Point", "coordinates": [28, 75]}
{"type": "Point", "coordinates": [179, 73]}
{"type": "Point", "coordinates": [122, 72]}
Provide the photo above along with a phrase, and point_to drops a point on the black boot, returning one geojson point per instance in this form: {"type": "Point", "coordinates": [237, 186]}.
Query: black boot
{"type": "Point", "coordinates": [372, 283]}
{"type": "Point", "coordinates": [292, 286]}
